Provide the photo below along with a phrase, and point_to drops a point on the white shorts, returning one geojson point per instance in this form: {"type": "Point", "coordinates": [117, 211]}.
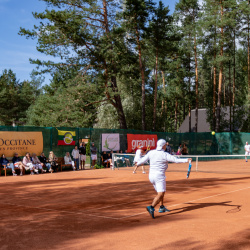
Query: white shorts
{"type": "Point", "coordinates": [83, 157]}
{"type": "Point", "coordinates": [94, 157]}
{"type": "Point", "coordinates": [247, 153]}
{"type": "Point", "coordinates": [38, 166]}
{"type": "Point", "coordinates": [29, 166]}
{"type": "Point", "coordinates": [159, 182]}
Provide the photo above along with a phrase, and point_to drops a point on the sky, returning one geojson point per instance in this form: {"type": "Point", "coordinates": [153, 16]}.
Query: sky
{"type": "Point", "coordinates": [15, 50]}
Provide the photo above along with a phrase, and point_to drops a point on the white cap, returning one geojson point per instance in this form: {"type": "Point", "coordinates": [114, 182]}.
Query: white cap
{"type": "Point", "coordinates": [160, 144]}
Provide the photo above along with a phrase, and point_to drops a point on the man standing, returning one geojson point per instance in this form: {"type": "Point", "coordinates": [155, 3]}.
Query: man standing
{"type": "Point", "coordinates": [93, 151]}
{"type": "Point", "coordinates": [168, 148]}
{"type": "Point", "coordinates": [75, 154]}
{"type": "Point", "coordinates": [247, 150]}
{"type": "Point", "coordinates": [82, 151]}
{"type": "Point", "coordinates": [158, 165]}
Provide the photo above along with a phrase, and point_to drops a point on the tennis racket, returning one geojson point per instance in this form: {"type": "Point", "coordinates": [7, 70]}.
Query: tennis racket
{"type": "Point", "coordinates": [189, 169]}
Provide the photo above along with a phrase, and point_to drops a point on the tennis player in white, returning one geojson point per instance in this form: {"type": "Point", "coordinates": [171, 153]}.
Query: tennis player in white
{"type": "Point", "coordinates": [158, 165]}
{"type": "Point", "coordinates": [138, 156]}
{"type": "Point", "coordinates": [247, 150]}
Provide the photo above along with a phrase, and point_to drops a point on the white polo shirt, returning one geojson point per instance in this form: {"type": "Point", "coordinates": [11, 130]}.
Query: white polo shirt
{"type": "Point", "coordinates": [159, 161]}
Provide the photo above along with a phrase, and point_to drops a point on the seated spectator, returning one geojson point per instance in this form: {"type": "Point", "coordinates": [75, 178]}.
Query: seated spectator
{"type": "Point", "coordinates": [45, 162]}
{"type": "Point", "coordinates": [68, 161]}
{"type": "Point", "coordinates": [105, 160]}
{"type": "Point", "coordinates": [5, 163]}
{"type": "Point", "coordinates": [27, 162]}
{"type": "Point", "coordinates": [37, 164]}
{"type": "Point", "coordinates": [127, 159]}
{"type": "Point", "coordinates": [16, 160]}
{"type": "Point", "coordinates": [53, 161]}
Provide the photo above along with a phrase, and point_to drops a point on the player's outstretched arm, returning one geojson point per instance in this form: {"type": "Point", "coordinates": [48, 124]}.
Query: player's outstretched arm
{"type": "Point", "coordinates": [174, 159]}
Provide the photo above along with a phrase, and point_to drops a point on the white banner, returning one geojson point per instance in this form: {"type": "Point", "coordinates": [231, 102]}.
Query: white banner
{"type": "Point", "coordinates": [110, 142]}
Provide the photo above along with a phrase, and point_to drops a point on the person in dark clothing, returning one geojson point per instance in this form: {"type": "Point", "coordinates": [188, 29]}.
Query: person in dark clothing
{"type": "Point", "coordinates": [105, 159]}
{"type": "Point", "coordinates": [17, 161]}
{"type": "Point", "coordinates": [93, 151]}
{"type": "Point", "coordinates": [45, 162]}
{"type": "Point", "coordinates": [82, 152]}
{"type": "Point", "coordinates": [168, 148]}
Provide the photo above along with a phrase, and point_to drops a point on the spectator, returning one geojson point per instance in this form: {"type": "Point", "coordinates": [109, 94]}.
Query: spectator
{"type": "Point", "coordinates": [110, 159]}
{"type": "Point", "coordinates": [37, 164]}
{"type": "Point", "coordinates": [16, 160]}
{"type": "Point", "coordinates": [93, 151]}
{"type": "Point", "coordinates": [68, 160]}
{"type": "Point", "coordinates": [105, 160]}
{"type": "Point", "coordinates": [168, 148]}
{"type": "Point", "coordinates": [178, 151]}
{"type": "Point", "coordinates": [75, 154]}
{"type": "Point", "coordinates": [28, 164]}
{"type": "Point", "coordinates": [5, 163]}
{"type": "Point", "coordinates": [45, 162]}
{"type": "Point", "coordinates": [184, 149]}
{"type": "Point", "coordinates": [82, 151]}
{"type": "Point", "coordinates": [180, 148]}
{"type": "Point", "coordinates": [53, 161]}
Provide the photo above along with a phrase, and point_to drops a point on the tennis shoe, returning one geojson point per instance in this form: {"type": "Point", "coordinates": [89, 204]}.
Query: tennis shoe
{"type": "Point", "coordinates": [144, 172]}
{"type": "Point", "coordinates": [134, 172]}
{"type": "Point", "coordinates": [163, 210]}
{"type": "Point", "coordinates": [151, 211]}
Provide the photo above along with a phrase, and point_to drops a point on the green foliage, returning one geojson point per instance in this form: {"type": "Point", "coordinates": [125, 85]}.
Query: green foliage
{"type": "Point", "coordinates": [16, 97]}
{"type": "Point", "coordinates": [97, 78]}
{"type": "Point", "coordinates": [98, 166]}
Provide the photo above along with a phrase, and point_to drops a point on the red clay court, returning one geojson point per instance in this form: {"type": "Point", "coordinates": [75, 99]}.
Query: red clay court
{"type": "Point", "coordinates": [105, 209]}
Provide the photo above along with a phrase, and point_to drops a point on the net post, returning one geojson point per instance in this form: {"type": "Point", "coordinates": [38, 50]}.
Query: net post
{"type": "Point", "coordinates": [196, 163]}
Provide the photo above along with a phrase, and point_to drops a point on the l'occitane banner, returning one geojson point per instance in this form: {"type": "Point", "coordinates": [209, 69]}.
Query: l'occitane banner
{"type": "Point", "coordinates": [20, 142]}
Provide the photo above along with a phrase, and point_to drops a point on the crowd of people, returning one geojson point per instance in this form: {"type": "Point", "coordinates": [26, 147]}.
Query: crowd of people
{"type": "Point", "coordinates": [42, 164]}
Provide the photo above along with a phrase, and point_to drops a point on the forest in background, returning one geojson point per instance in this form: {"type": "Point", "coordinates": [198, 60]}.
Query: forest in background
{"type": "Point", "coordinates": [131, 65]}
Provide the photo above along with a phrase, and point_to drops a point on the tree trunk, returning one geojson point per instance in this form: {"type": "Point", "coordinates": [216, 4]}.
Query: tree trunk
{"type": "Point", "coordinates": [116, 100]}
{"type": "Point", "coordinates": [142, 81]}
{"type": "Point", "coordinates": [234, 77]}
{"type": "Point", "coordinates": [189, 106]}
{"type": "Point", "coordinates": [164, 103]}
{"type": "Point", "coordinates": [230, 98]}
{"type": "Point", "coordinates": [248, 54]}
{"type": "Point", "coordinates": [176, 114]}
{"type": "Point", "coordinates": [217, 129]}
{"type": "Point", "coordinates": [196, 87]}
{"type": "Point", "coordinates": [214, 97]}
{"type": "Point", "coordinates": [155, 94]}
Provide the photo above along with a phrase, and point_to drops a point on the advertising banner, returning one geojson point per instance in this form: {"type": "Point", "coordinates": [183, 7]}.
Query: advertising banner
{"type": "Point", "coordinates": [110, 142]}
{"type": "Point", "coordinates": [20, 142]}
{"type": "Point", "coordinates": [146, 141]}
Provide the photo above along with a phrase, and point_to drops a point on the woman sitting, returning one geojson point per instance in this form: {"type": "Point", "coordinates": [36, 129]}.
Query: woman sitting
{"type": "Point", "coordinates": [53, 161]}
{"type": "Point", "coordinates": [68, 161]}
{"type": "Point", "coordinates": [27, 162]}
{"type": "Point", "coordinates": [37, 164]}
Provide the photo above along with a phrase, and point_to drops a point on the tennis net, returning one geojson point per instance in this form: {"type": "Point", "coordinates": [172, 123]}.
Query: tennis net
{"type": "Point", "coordinates": [201, 163]}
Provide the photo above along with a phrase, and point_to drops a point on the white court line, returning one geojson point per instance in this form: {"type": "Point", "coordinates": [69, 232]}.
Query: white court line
{"type": "Point", "coordinates": [207, 197]}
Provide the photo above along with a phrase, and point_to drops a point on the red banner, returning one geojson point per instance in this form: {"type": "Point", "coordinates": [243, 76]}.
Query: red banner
{"type": "Point", "coordinates": [141, 140]}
